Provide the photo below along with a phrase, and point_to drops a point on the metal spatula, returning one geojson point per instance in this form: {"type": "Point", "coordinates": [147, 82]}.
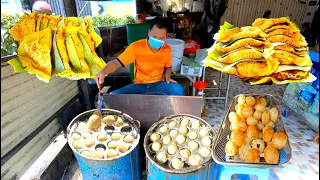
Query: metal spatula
{"type": "Point", "coordinates": [100, 97]}
{"type": "Point", "coordinates": [100, 100]}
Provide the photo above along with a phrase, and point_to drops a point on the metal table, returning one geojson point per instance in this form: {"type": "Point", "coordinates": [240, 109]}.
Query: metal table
{"type": "Point", "coordinates": [148, 108]}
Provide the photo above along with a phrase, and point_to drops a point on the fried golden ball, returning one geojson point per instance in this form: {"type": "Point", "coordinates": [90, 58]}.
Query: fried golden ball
{"type": "Point", "coordinates": [109, 120]}
{"type": "Point", "coordinates": [250, 100]}
{"type": "Point", "coordinates": [233, 118]}
{"type": "Point", "coordinates": [279, 139]}
{"type": "Point", "coordinates": [252, 121]}
{"type": "Point", "coordinates": [192, 135]}
{"type": "Point", "coordinates": [253, 156]}
{"type": "Point", "coordinates": [231, 149]}
{"type": "Point", "coordinates": [247, 112]}
{"type": "Point", "coordinates": [252, 132]}
{"type": "Point", "coordinates": [163, 129]}
{"type": "Point", "coordinates": [241, 99]}
{"type": "Point", "coordinates": [260, 107]}
{"type": "Point", "coordinates": [237, 137]}
{"type": "Point", "coordinates": [241, 125]}
{"type": "Point", "coordinates": [76, 136]}
{"type": "Point", "coordinates": [271, 155]}
{"type": "Point", "coordinates": [260, 126]}
{"type": "Point", "coordinates": [128, 139]}
{"type": "Point", "coordinates": [257, 115]}
{"type": "Point", "coordinates": [176, 163]}
{"type": "Point", "coordinates": [267, 133]}
{"type": "Point", "coordinates": [274, 114]}
{"type": "Point", "coordinates": [243, 150]}
{"type": "Point", "coordinates": [265, 119]}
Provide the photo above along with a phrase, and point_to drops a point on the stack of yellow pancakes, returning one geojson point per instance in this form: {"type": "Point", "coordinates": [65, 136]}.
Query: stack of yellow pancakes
{"type": "Point", "coordinates": [269, 50]}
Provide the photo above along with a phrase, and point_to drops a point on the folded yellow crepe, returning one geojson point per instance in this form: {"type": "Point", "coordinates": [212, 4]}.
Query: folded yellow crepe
{"type": "Point", "coordinates": [238, 55]}
{"type": "Point", "coordinates": [278, 26]}
{"type": "Point", "coordinates": [264, 24]}
{"type": "Point", "coordinates": [228, 35]}
{"type": "Point", "coordinates": [34, 53]}
{"type": "Point", "coordinates": [246, 69]}
{"type": "Point", "coordinates": [286, 58]}
{"type": "Point", "coordinates": [24, 27]}
{"type": "Point", "coordinates": [290, 49]}
{"type": "Point", "coordinates": [285, 32]}
{"type": "Point", "coordinates": [298, 41]}
{"type": "Point", "coordinates": [237, 44]}
{"type": "Point", "coordinates": [309, 78]}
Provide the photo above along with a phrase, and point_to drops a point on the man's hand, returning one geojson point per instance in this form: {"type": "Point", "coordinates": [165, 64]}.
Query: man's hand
{"type": "Point", "coordinates": [100, 78]}
{"type": "Point", "coordinates": [169, 80]}
{"type": "Point", "coordinates": [111, 67]}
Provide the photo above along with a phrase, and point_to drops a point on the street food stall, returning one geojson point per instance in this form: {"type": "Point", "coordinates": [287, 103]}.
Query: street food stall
{"type": "Point", "coordinates": [258, 132]}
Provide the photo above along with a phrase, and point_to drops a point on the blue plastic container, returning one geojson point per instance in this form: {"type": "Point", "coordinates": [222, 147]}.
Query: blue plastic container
{"type": "Point", "coordinates": [314, 56]}
{"type": "Point", "coordinates": [155, 173]}
{"type": "Point", "coordinates": [315, 105]}
{"type": "Point", "coordinates": [126, 167]}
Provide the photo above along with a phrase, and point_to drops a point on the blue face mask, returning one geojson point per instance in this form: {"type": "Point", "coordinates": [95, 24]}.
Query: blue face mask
{"type": "Point", "coordinates": [155, 43]}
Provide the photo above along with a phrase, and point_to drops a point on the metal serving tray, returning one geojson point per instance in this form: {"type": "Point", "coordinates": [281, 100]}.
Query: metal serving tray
{"type": "Point", "coordinates": [219, 154]}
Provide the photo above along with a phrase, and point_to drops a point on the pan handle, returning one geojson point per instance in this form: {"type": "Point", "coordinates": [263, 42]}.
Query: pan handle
{"type": "Point", "coordinates": [137, 123]}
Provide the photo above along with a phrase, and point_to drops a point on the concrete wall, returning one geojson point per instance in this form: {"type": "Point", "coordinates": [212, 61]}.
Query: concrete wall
{"type": "Point", "coordinates": [28, 122]}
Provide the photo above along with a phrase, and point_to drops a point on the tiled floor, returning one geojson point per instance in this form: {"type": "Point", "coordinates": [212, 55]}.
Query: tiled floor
{"type": "Point", "coordinates": [304, 163]}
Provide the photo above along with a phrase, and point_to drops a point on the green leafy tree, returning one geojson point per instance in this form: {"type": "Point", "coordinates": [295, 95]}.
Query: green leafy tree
{"type": "Point", "coordinates": [8, 47]}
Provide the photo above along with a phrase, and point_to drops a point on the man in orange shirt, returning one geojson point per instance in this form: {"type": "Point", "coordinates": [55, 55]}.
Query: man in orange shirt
{"type": "Point", "coordinates": [152, 59]}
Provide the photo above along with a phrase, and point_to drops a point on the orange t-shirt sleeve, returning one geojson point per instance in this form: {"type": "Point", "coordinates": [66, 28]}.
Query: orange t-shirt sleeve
{"type": "Point", "coordinates": [169, 59]}
{"type": "Point", "coordinates": [128, 56]}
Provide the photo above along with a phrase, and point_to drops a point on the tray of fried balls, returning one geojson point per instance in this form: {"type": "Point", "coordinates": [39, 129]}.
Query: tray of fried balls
{"type": "Point", "coordinates": [179, 143]}
{"type": "Point", "coordinates": [103, 137]}
{"type": "Point", "coordinates": [252, 134]}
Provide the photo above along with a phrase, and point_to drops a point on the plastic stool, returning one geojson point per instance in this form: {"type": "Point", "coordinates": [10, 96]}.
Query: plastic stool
{"type": "Point", "coordinates": [226, 172]}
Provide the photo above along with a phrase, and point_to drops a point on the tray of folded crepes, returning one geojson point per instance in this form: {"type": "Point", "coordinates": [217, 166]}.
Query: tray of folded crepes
{"type": "Point", "coordinates": [269, 51]}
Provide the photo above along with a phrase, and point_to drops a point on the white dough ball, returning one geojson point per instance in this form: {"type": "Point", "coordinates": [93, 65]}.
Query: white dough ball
{"type": "Point", "coordinates": [173, 133]}
{"type": "Point", "coordinates": [156, 146]}
{"type": "Point", "coordinates": [172, 149]}
{"type": "Point", "coordinates": [184, 122]}
{"type": "Point", "coordinates": [155, 137]}
{"type": "Point", "coordinates": [181, 139]}
{"type": "Point", "coordinates": [192, 135]}
{"type": "Point", "coordinates": [176, 163]}
{"type": "Point", "coordinates": [204, 132]}
{"type": "Point", "coordinates": [172, 124]}
{"type": "Point", "coordinates": [206, 141]}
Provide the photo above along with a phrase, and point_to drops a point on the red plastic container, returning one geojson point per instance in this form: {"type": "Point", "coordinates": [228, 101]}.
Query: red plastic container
{"type": "Point", "coordinates": [191, 46]}
{"type": "Point", "coordinates": [200, 85]}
